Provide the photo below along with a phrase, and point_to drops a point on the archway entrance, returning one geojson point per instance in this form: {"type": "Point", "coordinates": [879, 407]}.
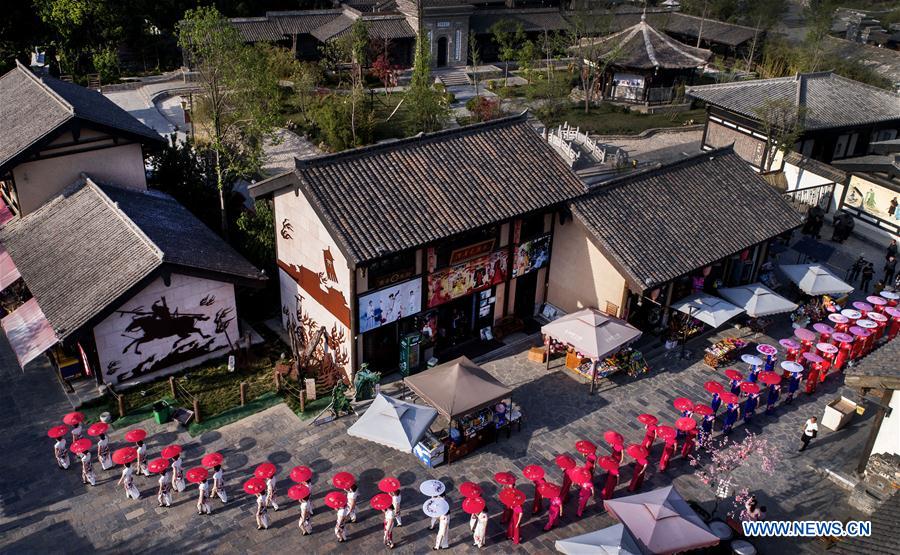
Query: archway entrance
{"type": "Point", "coordinates": [442, 52]}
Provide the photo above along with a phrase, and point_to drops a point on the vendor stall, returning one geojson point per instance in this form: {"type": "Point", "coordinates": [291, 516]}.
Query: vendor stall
{"type": "Point", "coordinates": [394, 423]}
{"type": "Point", "coordinates": [723, 352]}
{"type": "Point", "coordinates": [476, 406]}
{"type": "Point", "coordinates": [815, 280]}
{"type": "Point", "coordinates": [758, 301]}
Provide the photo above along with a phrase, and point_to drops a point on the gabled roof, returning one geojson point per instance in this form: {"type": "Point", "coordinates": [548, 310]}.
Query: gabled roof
{"type": "Point", "coordinates": [32, 108]}
{"type": "Point", "coordinates": [302, 22]}
{"type": "Point", "coordinates": [663, 223]}
{"type": "Point", "coordinates": [531, 19]}
{"type": "Point", "coordinates": [399, 195]}
{"type": "Point", "coordinates": [830, 100]}
{"type": "Point", "coordinates": [643, 47]}
{"type": "Point", "coordinates": [334, 27]}
{"type": "Point", "coordinates": [258, 29]}
{"type": "Point", "coordinates": [878, 369]}
{"type": "Point", "coordinates": [83, 250]}
{"type": "Point", "coordinates": [884, 539]}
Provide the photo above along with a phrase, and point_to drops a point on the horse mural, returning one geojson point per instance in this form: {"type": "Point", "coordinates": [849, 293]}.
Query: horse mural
{"type": "Point", "coordinates": [161, 323]}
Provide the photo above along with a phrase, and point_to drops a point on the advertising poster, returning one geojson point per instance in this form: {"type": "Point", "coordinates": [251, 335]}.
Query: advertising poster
{"type": "Point", "coordinates": [390, 304]}
{"type": "Point", "coordinates": [463, 279]}
{"type": "Point", "coordinates": [870, 197]}
{"type": "Point", "coordinates": [532, 255]}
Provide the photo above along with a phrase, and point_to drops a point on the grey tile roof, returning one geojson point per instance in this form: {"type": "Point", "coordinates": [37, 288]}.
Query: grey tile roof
{"type": "Point", "coordinates": [302, 22]}
{"type": "Point", "coordinates": [881, 364]}
{"type": "Point", "coordinates": [884, 539]}
{"type": "Point", "coordinates": [395, 196]}
{"type": "Point", "coordinates": [31, 108]}
{"type": "Point", "coordinates": [720, 32]}
{"type": "Point", "coordinates": [830, 100]}
{"type": "Point", "coordinates": [258, 29]}
{"type": "Point", "coordinates": [84, 249]}
{"type": "Point", "coordinates": [333, 28]}
{"type": "Point", "coordinates": [534, 19]}
{"type": "Point", "coordinates": [643, 47]}
{"type": "Point", "coordinates": [383, 27]}
{"type": "Point", "coordinates": [663, 223]}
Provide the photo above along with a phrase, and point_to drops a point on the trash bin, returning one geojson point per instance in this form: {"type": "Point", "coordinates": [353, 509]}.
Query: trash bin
{"type": "Point", "coordinates": [161, 412]}
{"type": "Point", "coordinates": [838, 413]}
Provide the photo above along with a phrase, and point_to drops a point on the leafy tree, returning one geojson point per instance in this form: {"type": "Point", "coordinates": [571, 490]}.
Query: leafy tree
{"type": "Point", "coordinates": [20, 31]}
{"type": "Point", "coordinates": [475, 56]}
{"type": "Point", "coordinates": [763, 15]}
{"type": "Point", "coordinates": [256, 234]}
{"type": "Point", "coordinates": [359, 43]}
{"type": "Point", "coordinates": [79, 28]}
{"type": "Point", "coordinates": [385, 72]}
{"type": "Point", "coordinates": [181, 171]}
{"type": "Point", "coordinates": [427, 108]}
{"type": "Point", "coordinates": [819, 15]}
{"type": "Point", "coordinates": [528, 55]}
{"type": "Point", "coordinates": [782, 123]}
{"type": "Point", "coordinates": [507, 37]}
{"type": "Point", "coordinates": [592, 57]}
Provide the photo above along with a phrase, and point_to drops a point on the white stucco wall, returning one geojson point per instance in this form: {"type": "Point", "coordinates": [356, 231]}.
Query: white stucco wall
{"type": "Point", "coordinates": [141, 339]}
{"type": "Point", "coordinates": [888, 440]}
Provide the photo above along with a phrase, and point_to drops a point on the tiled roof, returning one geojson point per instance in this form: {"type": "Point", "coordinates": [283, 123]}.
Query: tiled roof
{"type": "Point", "coordinates": [884, 539]}
{"type": "Point", "coordinates": [663, 223]}
{"type": "Point", "coordinates": [881, 365]}
{"type": "Point", "coordinates": [400, 195]}
{"type": "Point", "coordinates": [830, 100]}
{"type": "Point", "coordinates": [302, 22]}
{"type": "Point", "coordinates": [32, 107]}
{"type": "Point", "coordinates": [84, 249]}
{"type": "Point", "coordinates": [715, 31]}
{"type": "Point", "coordinates": [534, 19]}
{"type": "Point", "coordinates": [643, 47]}
{"type": "Point", "coordinates": [258, 29]}
{"type": "Point", "coordinates": [333, 28]}
{"type": "Point", "coordinates": [382, 27]}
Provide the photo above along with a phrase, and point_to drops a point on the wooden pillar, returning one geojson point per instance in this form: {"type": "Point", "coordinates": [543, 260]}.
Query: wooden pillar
{"type": "Point", "coordinates": [243, 390]}
{"type": "Point", "coordinates": [196, 410]}
{"type": "Point", "coordinates": [172, 387]}
{"type": "Point", "coordinates": [873, 432]}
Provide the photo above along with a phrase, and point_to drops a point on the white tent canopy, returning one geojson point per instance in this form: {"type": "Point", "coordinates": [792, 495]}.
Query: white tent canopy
{"type": "Point", "coordinates": [708, 309]}
{"type": "Point", "coordinates": [815, 279]}
{"type": "Point", "coordinates": [615, 540]}
{"type": "Point", "coordinates": [757, 299]}
{"type": "Point", "coordinates": [394, 423]}
{"type": "Point", "coordinates": [592, 333]}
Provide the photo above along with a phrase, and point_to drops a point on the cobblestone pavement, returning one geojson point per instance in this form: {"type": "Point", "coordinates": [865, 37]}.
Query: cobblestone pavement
{"type": "Point", "coordinates": [659, 147]}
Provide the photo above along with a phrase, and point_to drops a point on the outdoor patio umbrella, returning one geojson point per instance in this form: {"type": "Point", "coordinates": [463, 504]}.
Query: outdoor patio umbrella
{"type": "Point", "coordinates": [815, 279]}
{"type": "Point", "coordinates": [662, 521]}
{"type": "Point", "coordinates": [757, 299]}
{"type": "Point", "coordinates": [615, 540]}
{"type": "Point", "coordinates": [710, 310]}
{"type": "Point", "coordinates": [457, 387]}
{"type": "Point", "coordinates": [592, 333]}
{"type": "Point", "coordinates": [394, 423]}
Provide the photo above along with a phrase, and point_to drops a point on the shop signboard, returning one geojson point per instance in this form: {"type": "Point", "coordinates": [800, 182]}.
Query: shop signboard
{"type": "Point", "coordinates": [472, 251]}
{"type": "Point", "coordinates": [532, 255]}
{"type": "Point", "coordinates": [389, 304]}
{"type": "Point", "coordinates": [462, 279]}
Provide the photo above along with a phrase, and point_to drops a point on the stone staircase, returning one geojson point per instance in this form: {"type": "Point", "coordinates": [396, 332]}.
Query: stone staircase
{"type": "Point", "coordinates": [453, 77]}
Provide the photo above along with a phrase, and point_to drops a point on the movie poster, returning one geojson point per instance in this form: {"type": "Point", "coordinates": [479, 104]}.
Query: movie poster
{"type": "Point", "coordinates": [390, 304]}
{"type": "Point", "coordinates": [532, 255]}
{"type": "Point", "coordinates": [454, 282]}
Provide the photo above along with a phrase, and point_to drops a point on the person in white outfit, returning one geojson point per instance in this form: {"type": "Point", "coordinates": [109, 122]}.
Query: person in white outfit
{"type": "Point", "coordinates": [218, 487]}
{"type": "Point", "coordinates": [262, 513]}
{"type": "Point", "coordinates": [87, 469]}
{"type": "Point", "coordinates": [77, 432]}
{"type": "Point", "coordinates": [104, 453]}
{"type": "Point", "coordinates": [164, 495]}
{"type": "Point", "coordinates": [203, 499]}
{"type": "Point", "coordinates": [389, 528]}
{"type": "Point", "coordinates": [478, 524]}
{"type": "Point", "coordinates": [127, 482]}
{"type": "Point", "coordinates": [395, 504]}
{"type": "Point", "coordinates": [142, 459]}
{"type": "Point", "coordinates": [61, 453]}
{"type": "Point", "coordinates": [351, 502]}
{"type": "Point", "coordinates": [270, 493]}
{"type": "Point", "coordinates": [177, 474]}
{"type": "Point", "coordinates": [442, 541]}
{"type": "Point", "coordinates": [434, 519]}
{"type": "Point", "coordinates": [339, 524]}
{"type": "Point", "coordinates": [305, 517]}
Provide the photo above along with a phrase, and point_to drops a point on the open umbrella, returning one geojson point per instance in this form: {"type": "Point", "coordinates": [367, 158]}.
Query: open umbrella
{"type": "Point", "coordinates": [815, 279]}
{"type": "Point", "coordinates": [749, 388]}
{"type": "Point", "coordinates": [73, 418]}
{"type": "Point", "coordinates": [730, 398]}
{"type": "Point", "coordinates": [265, 471]}
{"type": "Point", "coordinates": [343, 480]}
{"type": "Point", "coordinates": [431, 488]}
{"type": "Point", "coordinates": [813, 358]}
{"type": "Point", "coordinates": [533, 472]}
{"type": "Point", "coordinates": [613, 438]}
{"type": "Point", "coordinates": [470, 489]}
{"type": "Point", "coordinates": [97, 428]}
{"type": "Point", "coordinates": [648, 419]}
{"type": "Point", "coordinates": [125, 455]}
{"type": "Point", "coordinates": [608, 463]}
{"type": "Point", "coordinates": [473, 505]}
{"type": "Point", "coordinates": [770, 378]}
{"type": "Point", "coordinates": [548, 490]}
{"type": "Point", "coordinates": [757, 299]}
{"type": "Point", "coordinates": [804, 334]}
{"type": "Point", "coordinates": [135, 436]}
{"type": "Point", "coordinates": [791, 366]}
{"type": "Point", "coordinates": [636, 451]}
{"type": "Point", "coordinates": [751, 360]}
{"type": "Point", "coordinates": [57, 432]}
{"type": "Point", "coordinates": [196, 474]}
{"type": "Point", "coordinates": [585, 447]}
{"type": "Point", "coordinates": [666, 432]}
{"type": "Point", "coordinates": [876, 301]}
{"type": "Point", "coordinates": [435, 507]}
{"type": "Point", "coordinates": [79, 446]}
{"type": "Point", "coordinates": [822, 327]}
{"type": "Point", "coordinates": [703, 410]}
{"type": "Point", "coordinates": [512, 497]}
{"type": "Point", "coordinates": [301, 473]}
{"type": "Point", "coordinates": [171, 451]}
{"type": "Point", "coordinates": [683, 403]}
{"type": "Point", "coordinates": [790, 344]}
{"type": "Point", "coordinates": [505, 478]}
{"type": "Point", "coordinates": [838, 318]}
{"type": "Point", "coordinates": [766, 350]}
{"type": "Point", "coordinates": [708, 309]}
{"type": "Point", "coordinates": [157, 466]}
{"type": "Point", "coordinates": [686, 424]}
{"type": "Point", "coordinates": [579, 475]}
{"type": "Point", "coordinates": [301, 491]}
{"type": "Point", "coordinates": [615, 540]}
{"type": "Point", "coordinates": [714, 387]}
{"type": "Point", "coordinates": [336, 499]}
{"type": "Point", "coordinates": [254, 485]}
{"type": "Point", "coordinates": [388, 485]}
{"type": "Point", "coordinates": [381, 501]}
{"type": "Point", "coordinates": [212, 459]}
{"type": "Point", "coordinates": [565, 462]}
{"type": "Point", "coordinates": [733, 374]}
{"type": "Point", "coordinates": [863, 307]}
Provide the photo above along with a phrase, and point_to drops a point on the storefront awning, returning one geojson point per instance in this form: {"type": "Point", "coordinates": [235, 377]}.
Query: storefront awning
{"type": "Point", "coordinates": [710, 310]}
{"type": "Point", "coordinates": [592, 333]}
{"type": "Point", "coordinates": [394, 423]}
{"type": "Point", "coordinates": [757, 299]}
{"type": "Point", "coordinates": [815, 280]}
{"type": "Point", "coordinates": [28, 331]}
{"type": "Point", "coordinates": [457, 388]}
{"type": "Point", "coordinates": [8, 271]}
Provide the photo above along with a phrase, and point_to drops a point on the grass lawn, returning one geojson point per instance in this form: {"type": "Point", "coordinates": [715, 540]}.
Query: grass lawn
{"type": "Point", "coordinates": [607, 119]}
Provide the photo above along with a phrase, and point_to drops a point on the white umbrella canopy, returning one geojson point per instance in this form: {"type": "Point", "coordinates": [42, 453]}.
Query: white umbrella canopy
{"type": "Point", "coordinates": [591, 332]}
{"type": "Point", "coordinates": [757, 299]}
{"type": "Point", "coordinates": [615, 540]}
{"type": "Point", "coordinates": [815, 279]}
{"type": "Point", "coordinates": [394, 423]}
{"type": "Point", "coordinates": [710, 310]}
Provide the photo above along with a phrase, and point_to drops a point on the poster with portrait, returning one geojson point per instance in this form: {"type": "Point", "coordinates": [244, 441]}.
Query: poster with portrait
{"type": "Point", "coordinates": [389, 304]}
{"type": "Point", "coordinates": [532, 255]}
{"type": "Point", "coordinates": [873, 198]}
{"type": "Point", "coordinates": [474, 275]}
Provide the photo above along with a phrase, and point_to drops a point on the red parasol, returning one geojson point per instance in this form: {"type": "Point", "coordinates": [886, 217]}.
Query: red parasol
{"type": "Point", "coordinates": [255, 485]}
{"type": "Point", "coordinates": [389, 485]}
{"type": "Point", "coordinates": [343, 480]}
{"type": "Point", "coordinates": [97, 428]}
{"type": "Point", "coordinates": [703, 410]}
{"type": "Point", "coordinates": [337, 499]}
{"type": "Point", "coordinates": [157, 466]}
{"type": "Point", "coordinates": [124, 455]}
{"type": "Point", "coordinates": [265, 470]}
{"type": "Point", "coordinates": [683, 403]}
{"type": "Point", "coordinates": [57, 432]}
{"type": "Point", "coordinates": [298, 492]}
{"type": "Point", "coordinates": [506, 478]}
{"type": "Point", "coordinates": [686, 424]}
{"type": "Point", "coordinates": [648, 419]}
{"type": "Point", "coordinates": [749, 387]}
{"type": "Point", "coordinates": [381, 501]}
{"type": "Point", "coordinates": [196, 475]}
{"type": "Point", "coordinates": [473, 505]}
{"type": "Point", "coordinates": [637, 451]}
{"type": "Point", "coordinates": [512, 497]}
{"type": "Point", "coordinates": [171, 451]}
{"type": "Point", "coordinates": [579, 475]}
{"type": "Point", "coordinates": [608, 463]}
{"type": "Point", "coordinates": [733, 374]}
{"type": "Point", "coordinates": [584, 447]}
{"type": "Point", "coordinates": [730, 398]}
{"type": "Point", "coordinates": [549, 491]}
{"type": "Point", "coordinates": [666, 432]}
{"type": "Point", "coordinates": [613, 438]}
{"type": "Point", "coordinates": [212, 459]}
{"type": "Point", "coordinates": [301, 473]}
{"type": "Point", "coordinates": [470, 489]}
{"type": "Point", "coordinates": [135, 436]}
{"type": "Point", "coordinates": [565, 462]}
{"type": "Point", "coordinates": [533, 472]}
{"type": "Point", "coordinates": [770, 378]}
{"type": "Point", "coordinates": [73, 418]}
{"type": "Point", "coordinates": [79, 446]}
{"type": "Point", "coordinates": [714, 387]}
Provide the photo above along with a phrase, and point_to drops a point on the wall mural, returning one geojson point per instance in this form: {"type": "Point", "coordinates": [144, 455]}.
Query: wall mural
{"type": "Point", "coordinates": [165, 326]}
{"type": "Point", "coordinates": [314, 284]}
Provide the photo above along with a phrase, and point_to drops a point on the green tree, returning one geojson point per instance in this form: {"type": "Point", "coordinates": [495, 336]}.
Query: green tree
{"type": "Point", "coordinates": [782, 123]}
{"type": "Point", "coordinates": [79, 29]}
{"type": "Point", "coordinates": [427, 108]}
{"type": "Point", "coordinates": [359, 43]}
{"type": "Point", "coordinates": [475, 56]}
{"type": "Point", "coordinates": [256, 234]}
{"type": "Point", "coordinates": [819, 15]}
{"type": "Point", "coordinates": [528, 55]}
{"type": "Point", "coordinates": [592, 56]}
{"type": "Point", "coordinates": [507, 37]}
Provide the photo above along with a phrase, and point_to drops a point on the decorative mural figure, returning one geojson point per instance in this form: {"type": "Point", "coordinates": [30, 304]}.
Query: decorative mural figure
{"type": "Point", "coordinates": [329, 265]}
{"type": "Point", "coordinates": [286, 229]}
{"type": "Point", "coordinates": [161, 323]}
